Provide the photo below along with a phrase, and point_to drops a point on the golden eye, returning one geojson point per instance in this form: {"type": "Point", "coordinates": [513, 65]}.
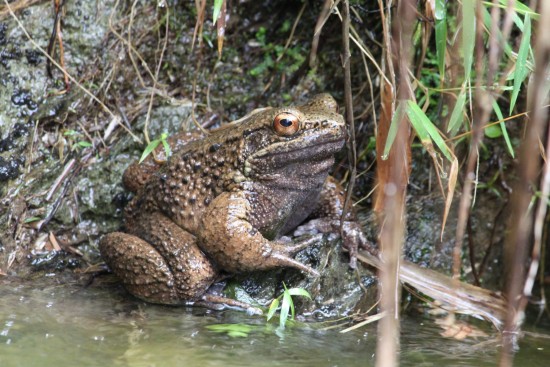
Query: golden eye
{"type": "Point", "coordinates": [286, 124]}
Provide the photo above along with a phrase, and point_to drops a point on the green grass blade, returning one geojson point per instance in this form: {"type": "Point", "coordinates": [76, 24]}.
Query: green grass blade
{"type": "Point", "coordinates": [299, 292]}
{"type": "Point", "coordinates": [519, 7]}
{"type": "Point", "coordinates": [272, 308]}
{"type": "Point", "coordinates": [468, 35]}
{"type": "Point", "coordinates": [149, 148]}
{"type": "Point", "coordinates": [217, 10]}
{"type": "Point", "coordinates": [521, 62]}
{"type": "Point", "coordinates": [31, 219]}
{"type": "Point", "coordinates": [392, 132]}
{"type": "Point", "coordinates": [233, 330]}
{"type": "Point", "coordinates": [285, 308]}
{"type": "Point", "coordinates": [498, 112]}
{"type": "Point", "coordinates": [440, 36]}
{"type": "Point", "coordinates": [426, 131]}
{"type": "Point", "coordinates": [457, 115]}
{"type": "Point", "coordinates": [167, 149]}
{"type": "Point", "coordinates": [84, 144]}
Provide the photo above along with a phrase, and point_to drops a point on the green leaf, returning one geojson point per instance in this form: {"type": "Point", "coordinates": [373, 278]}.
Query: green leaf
{"type": "Point", "coordinates": [285, 308]}
{"type": "Point", "coordinates": [83, 144]}
{"type": "Point", "coordinates": [440, 36]}
{"type": "Point", "coordinates": [167, 149]}
{"type": "Point", "coordinates": [70, 133]}
{"type": "Point", "coordinates": [493, 131]}
{"type": "Point", "coordinates": [426, 131]}
{"type": "Point", "coordinates": [519, 7]}
{"type": "Point", "coordinates": [299, 292]}
{"type": "Point", "coordinates": [149, 148]}
{"type": "Point", "coordinates": [456, 117]}
{"type": "Point", "coordinates": [521, 62]}
{"type": "Point", "coordinates": [232, 330]}
{"type": "Point", "coordinates": [217, 10]}
{"type": "Point", "coordinates": [272, 308]}
{"type": "Point", "coordinates": [237, 334]}
{"type": "Point", "coordinates": [392, 132]}
{"type": "Point", "coordinates": [31, 219]}
{"type": "Point", "coordinates": [468, 34]}
{"type": "Point", "coordinates": [502, 125]}
{"type": "Point", "coordinates": [292, 311]}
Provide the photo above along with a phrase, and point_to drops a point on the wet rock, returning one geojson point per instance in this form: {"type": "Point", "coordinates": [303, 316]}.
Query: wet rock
{"type": "Point", "coordinates": [33, 57]}
{"type": "Point", "coordinates": [9, 169]}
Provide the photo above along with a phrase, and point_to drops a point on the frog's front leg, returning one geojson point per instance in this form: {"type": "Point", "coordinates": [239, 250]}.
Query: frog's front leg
{"type": "Point", "coordinates": [326, 218]}
{"type": "Point", "coordinates": [227, 235]}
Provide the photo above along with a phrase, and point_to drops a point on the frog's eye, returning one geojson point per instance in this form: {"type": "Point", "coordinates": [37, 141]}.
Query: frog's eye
{"type": "Point", "coordinates": [286, 124]}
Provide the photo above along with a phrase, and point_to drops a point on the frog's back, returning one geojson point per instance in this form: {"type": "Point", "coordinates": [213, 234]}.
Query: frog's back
{"type": "Point", "coordinates": [188, 182]}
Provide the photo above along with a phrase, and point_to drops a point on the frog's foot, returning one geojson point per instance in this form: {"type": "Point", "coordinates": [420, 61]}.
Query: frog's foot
{"type": "Point", "coordinates": [351, 233]}
{"type": "Point", "coordinates": [282, 250]}
{"type": "Point", "coordinates": [214, 302]}
{"type": "Point", "coordinates": [352, 239]}
{"type": "Point", "coordinates": [280, 259]}
{"type": "Point", "coordinates": [294, 247]}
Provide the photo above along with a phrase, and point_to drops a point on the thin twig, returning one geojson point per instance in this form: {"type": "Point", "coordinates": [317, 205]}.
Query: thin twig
{"type": "Point", "coordinates": [157, 70]}
{"type": "Point", "coordinates": [131, 47]}
{"type": "Point", "coordinates": [352, 150]}
{"type": "Point", "coordinates": [481, 113]}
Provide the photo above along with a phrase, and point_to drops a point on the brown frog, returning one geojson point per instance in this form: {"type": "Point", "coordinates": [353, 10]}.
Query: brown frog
{"type": "Point", "coordinates": [221, 202]}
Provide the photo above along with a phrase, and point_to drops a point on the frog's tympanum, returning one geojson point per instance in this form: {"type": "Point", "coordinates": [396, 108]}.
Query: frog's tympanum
{"type": "Point", "coordinates": [221, 203]}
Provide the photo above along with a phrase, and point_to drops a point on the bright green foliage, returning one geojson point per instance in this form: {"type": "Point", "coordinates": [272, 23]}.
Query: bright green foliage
{"type": "Point", "coordinates": [425, 129]}
{"type": "Point", "coordinates": [502, 127]}
{"type": "Point", "coordinates": [153, 144]}
{"type": "Point", "coordinates": [287, 306]}
{"type": "Point", "coordinates": [32, 219]}
{"type": "Point", "coordinates": [468, 34]}
{"type": "Point", "coordinates": [276, 57]}
{"type": "Point", "coordinates": [441, 35]}
{"type": "Point", "coordinates": [217, 10]}
{"type": "Point", "coordinates": [232, 330]}
{"type": "Point", "coordinates": [394, 125]}
{"type": "Point", "coordinates": [457, 115]}
{"type": "Point", "coordinates": [429, 95]}
{"type": "Point", "coordinates": [518, 7]}
{"type": "Point", "coordinates": [521, 63]}
{"type": "Point", "coordinates": [73, 135]}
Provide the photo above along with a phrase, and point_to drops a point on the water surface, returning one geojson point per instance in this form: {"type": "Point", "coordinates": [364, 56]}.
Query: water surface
{"type": "Point", "coordinates": [43, 323]}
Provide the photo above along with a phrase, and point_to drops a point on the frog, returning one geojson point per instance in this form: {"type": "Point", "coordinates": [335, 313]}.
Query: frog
{"type": "Point", "coordinates": [223, 203]}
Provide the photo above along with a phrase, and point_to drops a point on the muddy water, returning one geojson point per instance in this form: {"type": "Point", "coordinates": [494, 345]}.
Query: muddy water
{"type": "Point", "coordinates": [50, 324]}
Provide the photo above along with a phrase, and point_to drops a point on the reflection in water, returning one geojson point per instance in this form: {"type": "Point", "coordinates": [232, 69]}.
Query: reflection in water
{"type": "Point", "coordinates": [47, 324]}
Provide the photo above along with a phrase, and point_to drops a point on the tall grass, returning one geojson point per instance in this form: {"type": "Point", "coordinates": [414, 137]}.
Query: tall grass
{"type": "Point", "coordinates": [493, 83]}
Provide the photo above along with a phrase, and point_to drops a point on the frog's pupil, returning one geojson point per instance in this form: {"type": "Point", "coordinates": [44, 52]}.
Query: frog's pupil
{"type": "Point", "coordinates": [285, 122]}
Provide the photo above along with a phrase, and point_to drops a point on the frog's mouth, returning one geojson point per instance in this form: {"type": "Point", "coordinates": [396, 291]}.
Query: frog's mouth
{"type": "Point", "coordinates": [302, 150]}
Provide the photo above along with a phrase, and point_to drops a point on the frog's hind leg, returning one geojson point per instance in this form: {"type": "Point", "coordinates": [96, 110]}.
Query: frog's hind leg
{"type": "Point", "coordinates": [141, 269]}
{"type": "Point", "coordinates": [164, 265]}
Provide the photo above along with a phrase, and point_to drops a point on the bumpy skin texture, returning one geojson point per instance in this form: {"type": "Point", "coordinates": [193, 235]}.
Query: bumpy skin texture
{"type": "Point", "coordinates": [221, 201]}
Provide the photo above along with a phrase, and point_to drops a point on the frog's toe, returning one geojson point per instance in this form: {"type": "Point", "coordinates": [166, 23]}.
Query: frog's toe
{"type": "Point", "coordinates": [301, 245]}
{"type": "Point", "coordinates": [281, 260]}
